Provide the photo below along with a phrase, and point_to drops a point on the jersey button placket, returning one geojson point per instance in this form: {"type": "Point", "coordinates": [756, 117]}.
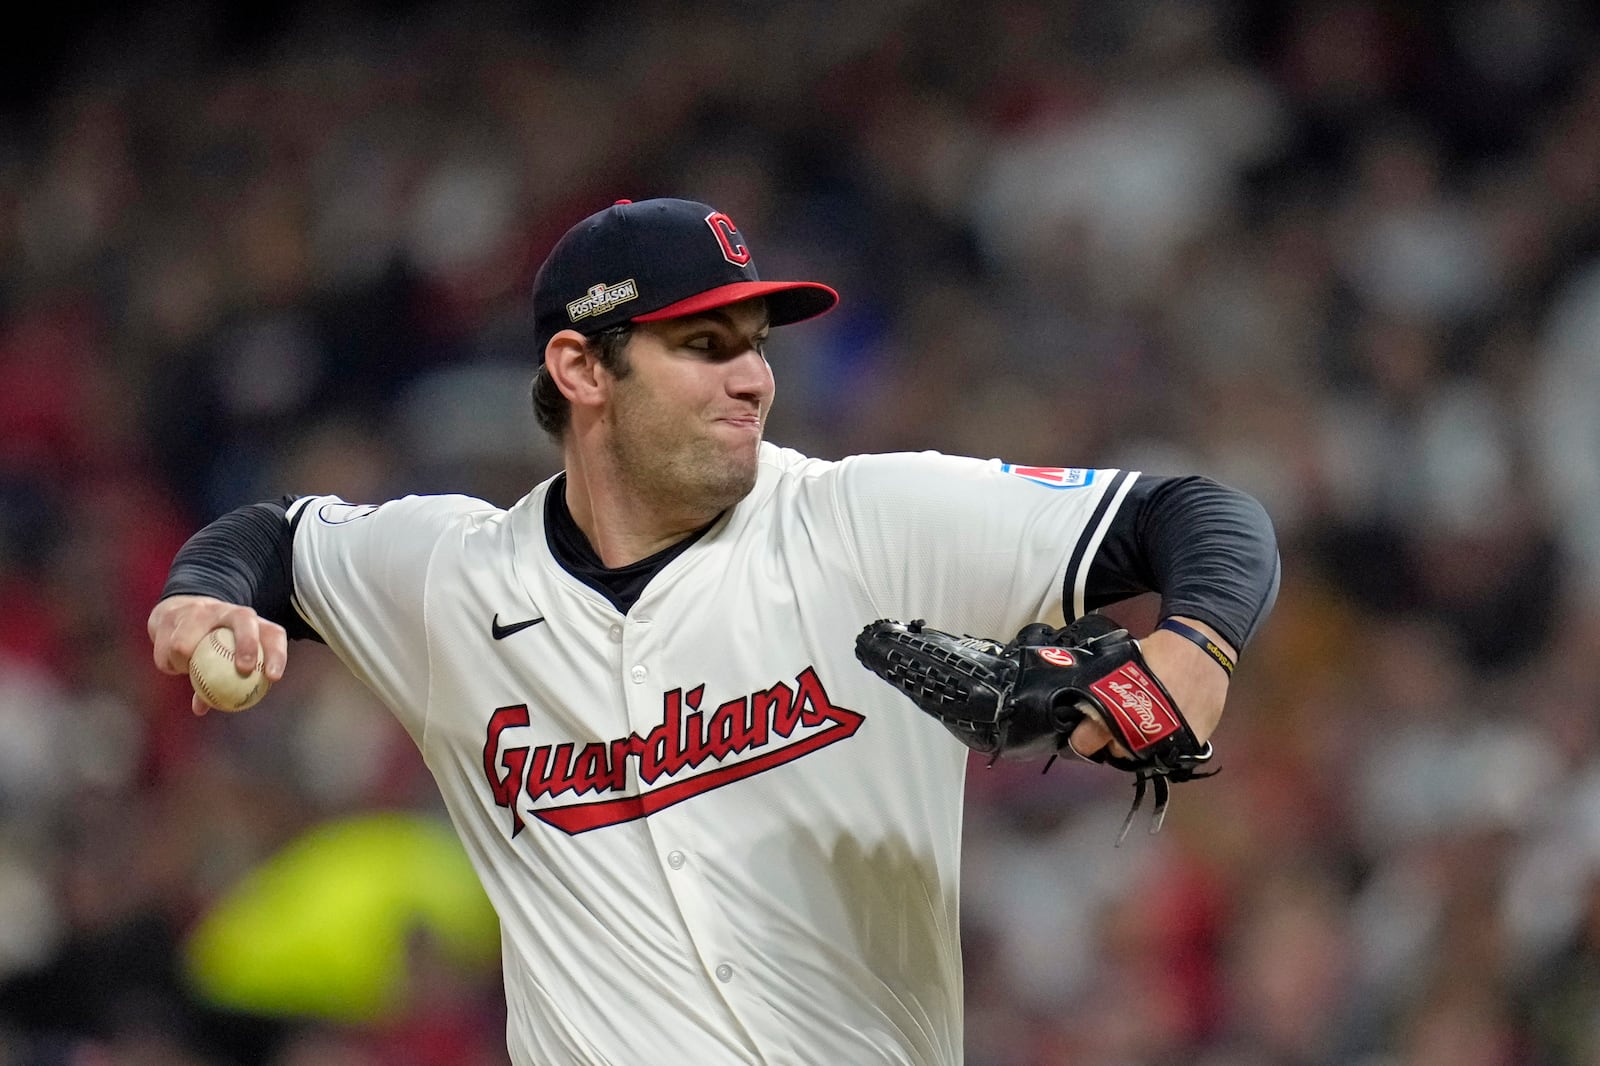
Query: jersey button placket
{"type": "Point", "coordinates": [646, 714]}
{"type": "Point", "coordinates": [635, 650]}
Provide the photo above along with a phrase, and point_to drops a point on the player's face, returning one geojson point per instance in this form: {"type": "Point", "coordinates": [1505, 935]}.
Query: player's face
{"type": "Point", "coordinates": [688, 418]}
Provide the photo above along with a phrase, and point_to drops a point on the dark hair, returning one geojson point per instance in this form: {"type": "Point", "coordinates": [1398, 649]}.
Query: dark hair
{"type": "Point", "coordinates": [550, 407]}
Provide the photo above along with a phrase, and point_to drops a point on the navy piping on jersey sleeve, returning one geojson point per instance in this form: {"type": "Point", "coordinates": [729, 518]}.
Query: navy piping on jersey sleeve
{"type": "Point", "coordinates": [1208, 549]}
{"type": "Point", "coordinates": [245, 557]}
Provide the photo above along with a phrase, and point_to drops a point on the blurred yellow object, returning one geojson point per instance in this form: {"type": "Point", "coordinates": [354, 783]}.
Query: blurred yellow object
{"type": "Point", "coordinates": [324, 927]}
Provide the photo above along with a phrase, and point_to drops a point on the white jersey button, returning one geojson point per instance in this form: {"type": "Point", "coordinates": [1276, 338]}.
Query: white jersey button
{"type": "Point", "coordinates": [675, 860]}
{"type": "Point", "coordinates": [638, 675]}
{"type": "Point", "coordinates": [724, 973]}
{"type": "Point", "coordinates": [616, 634]}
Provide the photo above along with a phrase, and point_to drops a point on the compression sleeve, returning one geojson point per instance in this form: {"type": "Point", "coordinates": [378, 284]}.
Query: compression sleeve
{"type": "Point", "coordinates": [1210, 550]}
{"type": "Point", "coordinates": [244, 557]}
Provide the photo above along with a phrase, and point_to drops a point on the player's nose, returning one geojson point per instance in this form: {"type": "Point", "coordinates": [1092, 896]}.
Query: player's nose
{"type": "Point", "coordinates": [749, 375]}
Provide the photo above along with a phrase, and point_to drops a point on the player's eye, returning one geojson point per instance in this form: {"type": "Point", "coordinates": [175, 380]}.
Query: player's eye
{"type": "Point", "coordinates": [725, 345]}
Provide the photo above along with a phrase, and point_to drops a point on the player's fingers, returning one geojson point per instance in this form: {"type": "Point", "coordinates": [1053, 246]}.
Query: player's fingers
{"type": "Point", "coordinates": [179, 623]}
{"type": "Point", "coordinates": [165, 660]}
{"type": "Point", "coordinates": [199, 706]}
{"type": "Point", "coordinates": [247, 627]}
{"type": "Point", "coordinates": [1090, 736]}
{"type": "Point", "coordinates": [162, 627]}
{"type": "Point", "coordinates": [257, 640]}
{"type": "Point", "coordinates": [274, 649]}
{"type": "Point", "coordinates": [175, 644]}
{"type": "Point", "coordinates": [185, 637]}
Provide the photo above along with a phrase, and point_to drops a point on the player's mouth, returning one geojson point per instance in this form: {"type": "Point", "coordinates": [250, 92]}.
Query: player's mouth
{"type": "Point", "coordinates": [748, 423]}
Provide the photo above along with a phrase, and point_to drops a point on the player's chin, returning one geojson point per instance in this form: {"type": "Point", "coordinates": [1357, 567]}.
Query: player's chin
{"type": "Point", "coordinates": [730, 475]}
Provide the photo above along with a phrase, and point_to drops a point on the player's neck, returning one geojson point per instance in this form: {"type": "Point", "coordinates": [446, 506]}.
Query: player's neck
{"type": "Point", "coordinates": [621, 526]}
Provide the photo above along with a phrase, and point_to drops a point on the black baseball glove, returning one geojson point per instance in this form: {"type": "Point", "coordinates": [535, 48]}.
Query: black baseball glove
{"type": "Point", "coordinates": [1026, 697]}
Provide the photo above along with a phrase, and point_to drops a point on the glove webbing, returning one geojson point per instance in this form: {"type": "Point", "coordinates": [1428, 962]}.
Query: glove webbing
{"type": "Point", "coordinates": [1162, 790]}
{"type": "Point", "coordinates": [1142, 780]}
{"type": "Point", "coordinates": [1145, 779]}
{"type": "Point", "coordinates": [913, 675]}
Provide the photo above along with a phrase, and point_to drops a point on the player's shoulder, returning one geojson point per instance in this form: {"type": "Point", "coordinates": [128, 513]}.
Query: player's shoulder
{"type": "Point", "coordinates": [435, 512]}
{"type": "Point", "coordinates": [779, 463]}
{"type": "Point", "coordinates": [788, 463]}
{"type": "Point", "coordinates": [905, 474]}
{"type": "Point", "coordinates": [888, 467]}
{"type": "Point", "coordinates": [823, 486]}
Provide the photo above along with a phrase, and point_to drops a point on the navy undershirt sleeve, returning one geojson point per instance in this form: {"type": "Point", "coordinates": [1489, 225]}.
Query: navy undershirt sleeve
{"type": "Point", "coordinates": [1209, 550]}
{"type": "Point", "coordinates": [244, 557]}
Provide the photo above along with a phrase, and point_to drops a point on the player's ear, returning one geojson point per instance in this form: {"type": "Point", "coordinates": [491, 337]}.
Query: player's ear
{"type": "Point", "coordinates": [572, 365]}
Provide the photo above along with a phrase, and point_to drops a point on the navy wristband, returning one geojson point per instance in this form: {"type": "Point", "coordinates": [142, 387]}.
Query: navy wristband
{"type": "Point", "coordinates": [1211, 648]}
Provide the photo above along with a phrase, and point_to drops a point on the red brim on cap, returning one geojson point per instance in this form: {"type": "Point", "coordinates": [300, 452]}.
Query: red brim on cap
{"type": "Point", "coordinates": [787, 301]}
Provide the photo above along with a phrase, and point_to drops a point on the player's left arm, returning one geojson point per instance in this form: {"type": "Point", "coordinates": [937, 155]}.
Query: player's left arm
{"type": "Point", "coordinates": [1211, 553]}
{"type": "Point", "coordinates": [985, 548]}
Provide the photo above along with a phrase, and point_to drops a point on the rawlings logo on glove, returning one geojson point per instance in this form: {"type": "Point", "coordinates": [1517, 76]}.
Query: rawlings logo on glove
{"type": "Point", "coordinates": [1026, 697]}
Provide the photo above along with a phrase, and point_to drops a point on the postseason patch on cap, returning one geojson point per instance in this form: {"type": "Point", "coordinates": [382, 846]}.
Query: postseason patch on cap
{"type": "Point", "coordinates": [601, 298]}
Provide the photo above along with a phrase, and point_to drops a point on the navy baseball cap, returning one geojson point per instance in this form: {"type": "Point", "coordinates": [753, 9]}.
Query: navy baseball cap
{"type": "Point", "coordinates": [653, 260]}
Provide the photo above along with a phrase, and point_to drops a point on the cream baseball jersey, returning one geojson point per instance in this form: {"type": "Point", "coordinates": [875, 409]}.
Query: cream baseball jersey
{"type": "Point", "coordinates": [711, 836]}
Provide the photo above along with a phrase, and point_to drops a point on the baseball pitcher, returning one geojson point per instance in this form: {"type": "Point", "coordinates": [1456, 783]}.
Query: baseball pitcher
{"type": "Point", "coordinates": [700, 706]}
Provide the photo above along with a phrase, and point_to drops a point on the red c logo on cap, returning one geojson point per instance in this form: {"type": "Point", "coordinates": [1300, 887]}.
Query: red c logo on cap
{"type": "Point", "coordinates": [727, 236]}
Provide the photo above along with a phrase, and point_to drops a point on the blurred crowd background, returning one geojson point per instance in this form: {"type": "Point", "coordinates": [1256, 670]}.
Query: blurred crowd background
{"type": "Point", "coordinates": [1342, 254]}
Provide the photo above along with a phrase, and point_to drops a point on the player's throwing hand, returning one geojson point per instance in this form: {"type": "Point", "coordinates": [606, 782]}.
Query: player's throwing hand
{"type": "Point", "coordinates": [179, 623]}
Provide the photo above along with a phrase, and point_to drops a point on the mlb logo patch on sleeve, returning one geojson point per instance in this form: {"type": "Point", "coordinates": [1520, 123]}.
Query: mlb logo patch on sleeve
{"type": "Point", "coordinates": [1053, 477]}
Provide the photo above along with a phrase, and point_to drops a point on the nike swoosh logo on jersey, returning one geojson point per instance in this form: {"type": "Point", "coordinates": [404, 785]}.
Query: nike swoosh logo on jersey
{"type": "Point", "coordinates": [500, 632]}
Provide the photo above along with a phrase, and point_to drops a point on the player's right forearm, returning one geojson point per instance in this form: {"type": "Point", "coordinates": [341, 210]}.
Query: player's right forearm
{"type": "Point", "coordinates": [244, 557]}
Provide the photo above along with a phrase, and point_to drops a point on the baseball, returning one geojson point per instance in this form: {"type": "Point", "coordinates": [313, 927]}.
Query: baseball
{"type": "Point", "coordinates": [218, 682]}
